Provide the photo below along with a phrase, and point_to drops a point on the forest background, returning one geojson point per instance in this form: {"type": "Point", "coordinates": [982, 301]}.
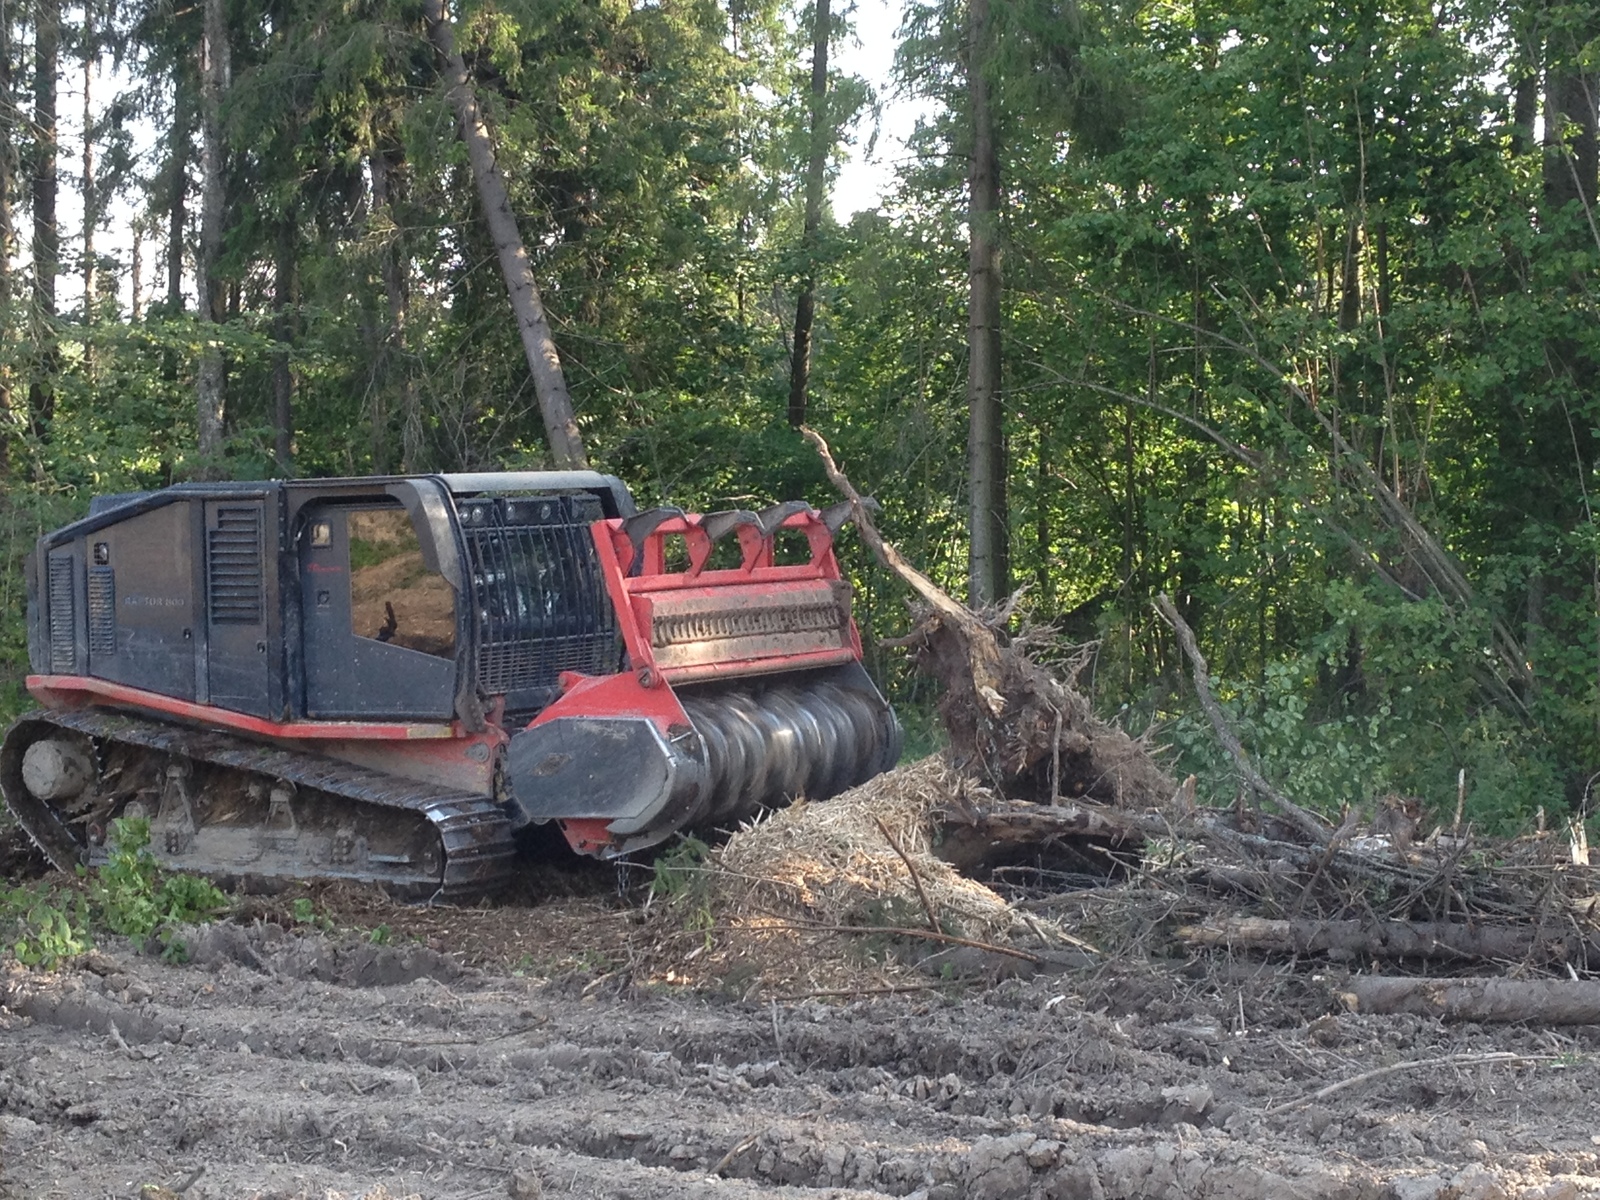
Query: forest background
{"type": "Point", "coordinates": [1286, 308]}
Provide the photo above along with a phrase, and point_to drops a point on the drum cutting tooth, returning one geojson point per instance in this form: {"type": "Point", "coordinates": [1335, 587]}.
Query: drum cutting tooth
{"type": "Point", "coordinates": [770, 743]}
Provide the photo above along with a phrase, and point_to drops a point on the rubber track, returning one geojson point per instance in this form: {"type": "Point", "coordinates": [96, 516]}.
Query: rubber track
{"type": "Point", "coordinates": [474, 832]}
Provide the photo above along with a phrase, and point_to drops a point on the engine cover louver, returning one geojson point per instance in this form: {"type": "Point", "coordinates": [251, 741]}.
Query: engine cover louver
{"type": "Point", "coordinates": [102, 611]}
{"type": "Point", "coordinates": [63, 655]}
{"type": "Point", "coordinates": [233, 567]}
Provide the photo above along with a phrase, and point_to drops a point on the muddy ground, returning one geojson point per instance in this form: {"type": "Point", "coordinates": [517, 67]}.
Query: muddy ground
{"type": "Point", "coordinates": [307, 1062]}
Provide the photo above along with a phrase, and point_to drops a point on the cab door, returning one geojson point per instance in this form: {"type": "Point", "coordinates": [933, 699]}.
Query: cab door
{"type": "Point", "coordinates": [378, 624]}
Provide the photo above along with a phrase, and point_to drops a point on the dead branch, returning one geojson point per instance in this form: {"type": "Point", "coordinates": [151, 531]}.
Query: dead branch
{"type": "Point", "coordinates": [739, 1148]}
{"type": "Point", "coordinates": [897, 990]}
{"type": "Point", "coordinates": [922, 892]}
{"type": "Point", "coordinates": [982, 647]}
{"type": "Point", "coordinates": [1302, 820]}
{"type": "Point", "coordinates": [932, 935]}
{"type": "Point", "coordinates": [1458, 1060]}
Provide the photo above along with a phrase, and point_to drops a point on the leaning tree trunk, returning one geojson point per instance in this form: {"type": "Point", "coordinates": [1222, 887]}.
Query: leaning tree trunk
{"type": "Point", "coordinates": [91, 206]}
{"type": "Point", "coordinates": [987, 565]}
{"type": "Point", "coordinates": [805, 309]}
{"type": "Point", "coordinates": [544, 363]}
{"type": "Point", "coordinates": [210, 379]}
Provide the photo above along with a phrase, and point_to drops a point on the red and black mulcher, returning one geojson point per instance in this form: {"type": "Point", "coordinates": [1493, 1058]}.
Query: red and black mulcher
{"type": "Point", "coordinates": [384, 679]}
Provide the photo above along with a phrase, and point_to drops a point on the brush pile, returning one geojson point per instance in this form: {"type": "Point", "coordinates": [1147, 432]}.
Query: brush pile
{"type": "Point", "coordinates": [1044, 828]}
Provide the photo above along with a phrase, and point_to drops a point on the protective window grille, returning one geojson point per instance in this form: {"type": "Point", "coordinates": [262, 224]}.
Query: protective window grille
{"type": "Point", "coordinates": [102, 611]}
{"type": "Point", "coordinates": [541, 605]}
{"type": "Point", "coordinates": [63, 657]}
{"type": "Point", "coordinates": [233, 567]}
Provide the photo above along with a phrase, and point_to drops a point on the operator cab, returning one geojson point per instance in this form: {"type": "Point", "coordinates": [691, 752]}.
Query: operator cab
{"type": "Point", "coordinates": [446, 592]}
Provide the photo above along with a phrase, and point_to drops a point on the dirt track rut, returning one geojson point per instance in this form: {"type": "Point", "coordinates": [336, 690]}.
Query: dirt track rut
{"type": "Point", "coordinates": [288, 1066]}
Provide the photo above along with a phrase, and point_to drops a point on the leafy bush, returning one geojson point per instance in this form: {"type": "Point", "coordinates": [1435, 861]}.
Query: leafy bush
{"type": "Point", "coordinates": [1385, 698]}
{"type": "Point", "coordinates": [681, 881]}
{"type": "Point", "coordinates": [134, 897]}
{"type": "Point", "coordinates": [44, 930]}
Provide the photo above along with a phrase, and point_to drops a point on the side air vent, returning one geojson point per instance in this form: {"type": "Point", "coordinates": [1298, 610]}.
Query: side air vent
{"type": "Point", "coordinates": [102, 611]}
{"type": "Point", "coordinates": [233, 567]}
{"type": "Point", "coordinates": [63, 658]}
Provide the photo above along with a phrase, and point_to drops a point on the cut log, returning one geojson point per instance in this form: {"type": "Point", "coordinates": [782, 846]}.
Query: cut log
{"type": "Point", "coordinates": [1535, 1001]}
{"type": "Point", "coordinates": [1397, 939]}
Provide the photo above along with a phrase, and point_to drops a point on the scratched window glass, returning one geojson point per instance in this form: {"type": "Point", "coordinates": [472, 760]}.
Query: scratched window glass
{"type": "Point", "coordinates": [394, 596]}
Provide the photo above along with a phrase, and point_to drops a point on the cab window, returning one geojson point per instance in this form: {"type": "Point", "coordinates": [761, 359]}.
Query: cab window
{"type": "Point", "coordinates": [394, 596]}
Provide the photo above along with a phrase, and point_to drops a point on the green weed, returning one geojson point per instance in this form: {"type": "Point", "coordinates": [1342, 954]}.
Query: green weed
{"type": "Point", "coordinates": [45, 931]}
{"type": "Point", "coordinates": [682, 882]}
{"type": "Point", "coordinates": [304, 911]}
{"type": "Point", "coordinates": [133, 896]}
{"type": "Point", "coordinates": [130, 895]}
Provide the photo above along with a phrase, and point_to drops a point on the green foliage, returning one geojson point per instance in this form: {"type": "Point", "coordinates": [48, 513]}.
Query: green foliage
{"type": "Point", "coordinates": [681, 881]}
{"type": "Point", "coordinates": [129, 895]}
{"type": "Point", "coordinates": [923, 733]}
{"type": "Point", "coordinates": [1290, 290]}
{"type": "Point", "coordinates": [133, 896]}
{"type": "Point", "coordinates": [1357, 715]}
{"type": "Point", "coordinates": [43, 927]}
{"type": "Point", "coordinates": [304, 912]}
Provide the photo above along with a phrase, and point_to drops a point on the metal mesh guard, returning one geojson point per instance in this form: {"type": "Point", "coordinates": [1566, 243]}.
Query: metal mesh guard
{"type": "Point", "coordinates": [540, 603]}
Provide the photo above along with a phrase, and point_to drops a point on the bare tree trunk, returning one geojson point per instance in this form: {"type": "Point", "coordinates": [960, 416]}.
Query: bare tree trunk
{"type": "Point", "coordinates": [136, 271]}
{"type": "Point", "coordinates": [1572, 141]}
{"type": "Point", "coordinates": [46, 234]}
{"type": "Point", "coordinates": [544, 363]}
{"type": "Point", "coordinates": [210, 380]}
{"type": "Point", "coordinates": [177, 178]}
{"type": "Point", "coordinates": [91, 209]}
{"type": "Point", "coordinates": [1524, 94]}
{"type": "Point", "coordinates": [805, 309]}
{"type": "Point", "coordinates": [1527, 942]}
{"type": "Point", "coordinates": [987, 566]}
{"type": "Point", "coordinates": [1530, 1001]}
{"type": "Point", "coordinates": [398, 294]}
{"type": "Point", "coordinates": [177, 198]}
{"type": "Point", "coordinates": [283, 296]}
{"type": "Point", "coordinates": [8, 229]}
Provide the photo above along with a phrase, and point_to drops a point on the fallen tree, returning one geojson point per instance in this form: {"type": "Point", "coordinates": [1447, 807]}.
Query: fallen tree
{"type": "Point", "coordinates": [1536, 1001]}
{"type": "Point", "coordinates": [974, 838]}
{"type": "Point", "coordinates": [1010, 838]}
{"type": "Point", "coordinates": [1520, 942]}
{"type": "Point", "coordinates": [1011, 722]}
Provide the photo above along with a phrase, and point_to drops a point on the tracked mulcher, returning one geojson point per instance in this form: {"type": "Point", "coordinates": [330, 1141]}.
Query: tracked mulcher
{"type": "Point", "coordinates": [385, 679]}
